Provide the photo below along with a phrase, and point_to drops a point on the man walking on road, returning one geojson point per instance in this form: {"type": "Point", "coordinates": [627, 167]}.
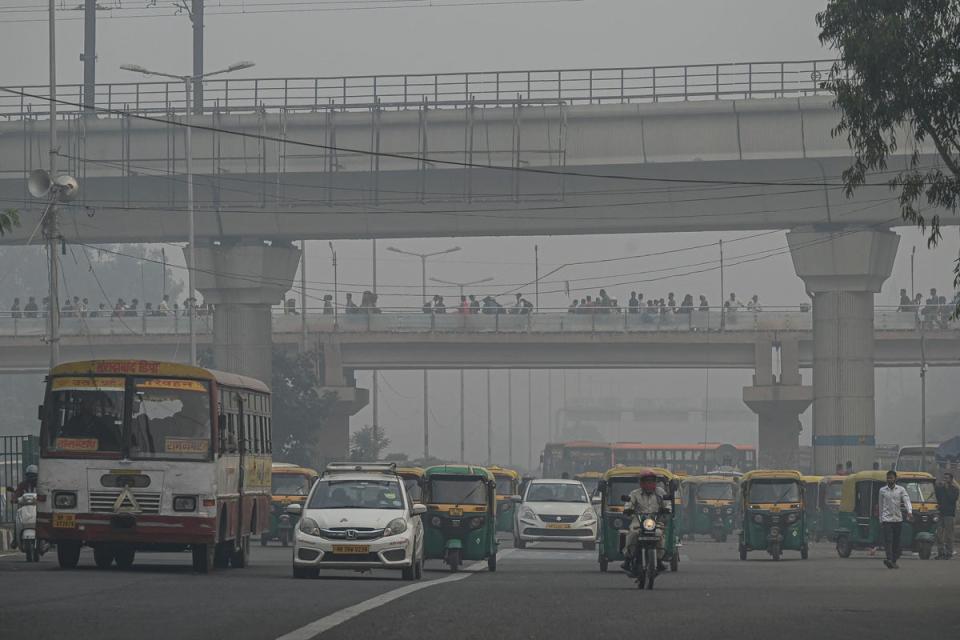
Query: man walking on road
{"type": "Point", "coordinates": [893, 502]}
{"type": "Point", "coordinates": [947, 495]}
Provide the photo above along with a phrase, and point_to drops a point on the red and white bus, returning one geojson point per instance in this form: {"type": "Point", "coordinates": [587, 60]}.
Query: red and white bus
{"type": "Point", "coordinates": [142, 455]}
{"type": "Point", "coordinates": [686, 458]}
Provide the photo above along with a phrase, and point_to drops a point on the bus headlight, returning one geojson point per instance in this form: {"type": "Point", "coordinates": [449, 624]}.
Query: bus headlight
{"type": "Point", "coordinates": [184, 503]}
{"type": "Point", "coordinates": [64, 499]}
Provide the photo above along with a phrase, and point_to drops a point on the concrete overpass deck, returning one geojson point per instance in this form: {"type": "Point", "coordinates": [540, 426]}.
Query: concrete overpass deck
{"type": "Point", "coordinates": [406, 340]}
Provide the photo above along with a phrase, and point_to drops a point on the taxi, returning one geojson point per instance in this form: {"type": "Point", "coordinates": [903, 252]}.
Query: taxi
{"type": "Point", "coordinates": [358, 516]}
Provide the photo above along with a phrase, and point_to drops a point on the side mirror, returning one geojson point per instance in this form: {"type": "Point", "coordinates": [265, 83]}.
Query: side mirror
{"type": "Point", "coordinates": [516, 499]}
{"type": "Point", "coordinates": [418, 509]}
{"type": "Point", "coordinates": [294, 509]}
{"type": "Point", "coordinates": [624, 497]}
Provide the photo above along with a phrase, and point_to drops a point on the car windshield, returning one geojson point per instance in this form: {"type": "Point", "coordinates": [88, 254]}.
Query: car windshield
{"type": "Point", "coordinates": [919, 490]}
{"type": "Point", "coordinates": [715, 491]}
{"type": "Point", "coordinates": [86, 415]}
{"type": "Point", "coordinates": [356, 494]}
{"type": "Point", "coordinates": [774, 491]}
{"type": "Point", "coordinates": [170, 419]}
{"type": "Point", "coordinates": [556, 492]}
{"type": "Point", "coordinates": [289, 484]}
{"type": "Point", "coordinates": [457, 491]}
{"type": "Point", "coordinates": [504, 486]}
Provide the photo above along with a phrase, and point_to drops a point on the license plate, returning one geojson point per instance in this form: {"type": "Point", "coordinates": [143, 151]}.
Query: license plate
{"type": "Point", "coordinates": [554, 525]}
{"type": "Point", "coordinates": [456, 512]}
{"type": "Point", "coordinates": [64, 520]}
{"type": "Point", "coordinates": [351, 548]}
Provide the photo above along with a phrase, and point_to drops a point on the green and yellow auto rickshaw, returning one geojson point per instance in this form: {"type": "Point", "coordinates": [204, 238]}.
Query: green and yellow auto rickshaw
{"type": "Point", "coordinates": [773, 519]}
{"type": "Point", "coordinates": [591, 481]}
{"type": "Point", "coordinates": [619, 482]}
{"type": "Point", "coordinates": [508, 486]}
{"type": "Point", "coordinates": [831, 490]}
{"type": "Point", "coordinates": [709, 506]}
{"type": "Point", "coordinates": [290, 484]}
{"type": "Point", "coordinates": [461, 515]}
{"type": "Point", "coordinates": [859, 517]}
{"type": "Point", "coordinates": [811, 505]}
{"type": "Point", "coordinates": [413, 481]}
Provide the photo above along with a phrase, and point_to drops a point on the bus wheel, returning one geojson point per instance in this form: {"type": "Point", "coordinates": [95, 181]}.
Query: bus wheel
{"type": "Point", "coordinates": [68, 554]}
{"type": "Point", "coordinates": [103, 556]}
{"type": "Point", "coordinates": [240, 557]}
{"type": "Point", "coordinates": [203, 557]}
{"type": "Point", "coordinates": [124, 557]}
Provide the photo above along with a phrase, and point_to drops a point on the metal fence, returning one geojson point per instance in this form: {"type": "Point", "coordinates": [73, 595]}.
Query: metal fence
{"type": "Point", "coordinates": [16, 452]}
{"type": "Point", "coordinates": [737, 80]}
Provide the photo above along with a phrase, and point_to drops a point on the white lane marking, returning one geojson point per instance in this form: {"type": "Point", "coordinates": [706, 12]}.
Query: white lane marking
{"type": "Point", "coordinates": [326, 623]}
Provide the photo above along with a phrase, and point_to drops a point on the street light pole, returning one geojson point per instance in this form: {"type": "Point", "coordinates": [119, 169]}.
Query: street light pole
{"type": "Point", "coordinates": [423, 289]}
{"type": "Point", "coordinates": [461, 286]}
{"type": "Point", "coordinates": [53, 309]}
{"type": "Point", "coordinates": [489, 422]}
{"type": "Point", "coordinates": [188, 81]}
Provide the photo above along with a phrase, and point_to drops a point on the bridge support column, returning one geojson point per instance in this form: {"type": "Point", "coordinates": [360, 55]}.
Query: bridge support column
{"type": "Point", "coordinates": [842, 270]}
{"type": "Point", "coordinates": [333, 441]}
{"type": "Point", "coordinates": [243, 281]}
{"type": "Point", "coordinates": [778, 399]}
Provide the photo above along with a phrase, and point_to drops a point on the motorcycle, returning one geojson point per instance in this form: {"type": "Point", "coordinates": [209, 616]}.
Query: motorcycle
{"type": "Point", "coordinates": [643, 565]}
{"type": "Point", "coordinates": [26, 528]}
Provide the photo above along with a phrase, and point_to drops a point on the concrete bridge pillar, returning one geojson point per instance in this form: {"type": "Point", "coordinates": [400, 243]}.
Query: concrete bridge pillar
{"type": "Point", "coordinates": [243, 281]}
{"type": "Point", "coordinates": [842, 270]}
{"type": "Point", "coordinates": [778, 399]}
{"type": "Point", "coordinates": [333, 441]}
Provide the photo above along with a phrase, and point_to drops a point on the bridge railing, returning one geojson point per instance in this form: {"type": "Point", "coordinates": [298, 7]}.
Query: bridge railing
{"type": "Point", "coordinates": [407, 320]}
{"type": "Point", "coordinates": [739, 80]}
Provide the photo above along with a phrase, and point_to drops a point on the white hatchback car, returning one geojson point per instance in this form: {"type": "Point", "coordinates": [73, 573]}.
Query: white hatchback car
{"type": "Point", "coordinates": [358, 516]}
{"type": "Point", "coordinates": [555, 511]}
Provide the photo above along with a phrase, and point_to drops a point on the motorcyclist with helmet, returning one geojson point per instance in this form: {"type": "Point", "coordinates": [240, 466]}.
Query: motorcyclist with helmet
{"type": "Point", "coordinates": [649, 499]}
{"type": "Point", "coordinates": [27, 485]}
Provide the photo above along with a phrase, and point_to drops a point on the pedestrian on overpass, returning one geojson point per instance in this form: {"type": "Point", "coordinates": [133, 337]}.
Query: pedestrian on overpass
{"type": "Point", "coordinates": [894, 501]}
{"type": "Point", "coordinates": [947, 495]}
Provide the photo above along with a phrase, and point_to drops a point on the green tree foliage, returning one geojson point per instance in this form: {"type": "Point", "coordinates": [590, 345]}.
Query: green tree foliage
{"type": "Point", "coordinates": [8, 220]}
{"type": "Point", "coordinates": [367, 444]}
{"type": "Point", "coordinates": [897, 83]}
{"type": "Point", "coordinates": [299, 411]}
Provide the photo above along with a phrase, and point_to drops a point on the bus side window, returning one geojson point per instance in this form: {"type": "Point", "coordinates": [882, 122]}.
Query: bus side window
{"type": "Point", "coordinates": [269, 435]}
{"type": "Point", "coordinates": [232, 433]}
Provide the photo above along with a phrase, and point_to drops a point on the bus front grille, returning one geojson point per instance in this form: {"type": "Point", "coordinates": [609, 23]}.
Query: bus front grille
{"type": "Point", "coordinates": [106, 502]}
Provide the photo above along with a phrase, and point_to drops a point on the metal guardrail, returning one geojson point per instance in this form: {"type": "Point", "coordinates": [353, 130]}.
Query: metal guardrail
{"type": "Point", "coordinates": [407, 320]}
{"type": "Point", "coordinates": [741, 80]}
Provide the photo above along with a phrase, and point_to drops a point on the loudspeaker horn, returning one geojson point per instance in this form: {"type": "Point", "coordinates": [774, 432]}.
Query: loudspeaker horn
{"type": "Point", "coordinates": [39, 183]}
{"type": "Point", "coordinates": [68, 187]}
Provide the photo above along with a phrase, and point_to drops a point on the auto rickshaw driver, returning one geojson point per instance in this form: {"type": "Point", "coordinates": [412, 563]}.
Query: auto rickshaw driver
{"type": "Point", "coordinates": [649, 499]}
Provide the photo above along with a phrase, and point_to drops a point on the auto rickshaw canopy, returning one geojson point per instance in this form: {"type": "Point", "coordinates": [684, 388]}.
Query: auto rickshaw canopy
{"type": "Point", "coordinates": [458, 470]}
{"type": "Point", "coordinates": [848, 498]}
{"type": "Point", "coordinates": [504, 472]}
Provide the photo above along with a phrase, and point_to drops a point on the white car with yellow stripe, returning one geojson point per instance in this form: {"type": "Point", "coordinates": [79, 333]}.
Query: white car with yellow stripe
{"type": "Point", "coordinates": [359, 517]}
{"type": "Point", "coordinates": [555, 511]}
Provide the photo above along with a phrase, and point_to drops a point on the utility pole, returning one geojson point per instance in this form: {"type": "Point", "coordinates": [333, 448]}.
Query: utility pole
{"type": "Point", "coordinates": [913, 257]}
{"type": "Point", "coordinates": [536, 276]}
{"type": "Point", "coordinates": [723, 294]}
{"type": "Point", "coordinates": [489, 422]}
{"type": "Point", "coordinates": [89, 57]}
{"type": "Point", "coordinates": [53, 309]}
{"type": "Point", "coordinates": [923, 401]}
{"type": "Point", "coordinates": [510, 417]}
{"type": "Point", "coordinates": [529, 419]}
{"type": "Point", "coordinates": [374, 383]}
{"type": "Point", "coordinates": [550, 421]}
{"type": "Point", "coordinates": [196, 17]}
{"type": "Point", "coordinates": [462, 430]}
{"type": "Point", "coordinates": [303, 295]}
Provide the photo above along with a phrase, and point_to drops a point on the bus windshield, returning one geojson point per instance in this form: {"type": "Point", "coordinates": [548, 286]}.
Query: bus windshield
{"type": "Point", "coordinates": [170, 419]}
{"type": "Point", "coordinates": [774, 491]}
{"type": "Point", "coordinates": [85, 416]}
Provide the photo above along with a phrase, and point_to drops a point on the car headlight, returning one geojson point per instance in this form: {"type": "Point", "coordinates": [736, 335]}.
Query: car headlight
{"type": "Point", "coordinates": [936, 517]}
{"type": "Point", "coordinates": [528, 513]}
{"type": "Point", "coordinates": [395, 527]}
{"type": "Point", "coordinates": [588, 514]}
{"type": "Point", "coordinates": [309, 526]}
{"type": "Point", "coordinates": [649, 524]}
{"type": "Point", "coordinates": [758, 519]}
{"type": "Point", "coordinates": [184, 503]}
{"type": "Point", "coordinates": [64, 499]}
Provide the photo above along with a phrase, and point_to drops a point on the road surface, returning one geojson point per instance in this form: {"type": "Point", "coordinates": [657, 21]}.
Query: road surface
{"type": "Point", "coordinates": [544, 591]}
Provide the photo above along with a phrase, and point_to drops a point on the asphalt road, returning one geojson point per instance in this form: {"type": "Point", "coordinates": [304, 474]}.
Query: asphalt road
{"type": "Point", "coordinates": [545, 591]}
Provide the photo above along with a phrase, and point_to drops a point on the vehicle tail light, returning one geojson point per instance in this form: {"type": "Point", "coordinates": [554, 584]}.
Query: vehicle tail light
{"type": "Point", "coordinates": [208, 502]}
